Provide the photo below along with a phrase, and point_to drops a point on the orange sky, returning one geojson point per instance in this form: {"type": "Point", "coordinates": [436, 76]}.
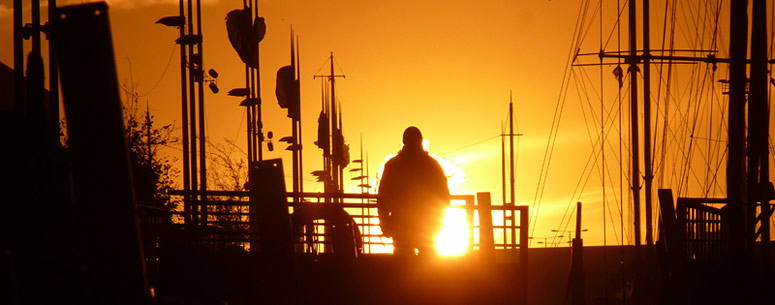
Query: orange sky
{"type": "Point", "coordinates": [444, 66]}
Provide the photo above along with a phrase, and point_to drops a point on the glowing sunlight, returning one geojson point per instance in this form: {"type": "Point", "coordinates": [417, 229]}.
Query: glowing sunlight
{"type": "Point", "coordinates": [453, 238]}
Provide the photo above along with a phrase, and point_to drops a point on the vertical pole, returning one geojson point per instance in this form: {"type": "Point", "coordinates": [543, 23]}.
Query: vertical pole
{"type": "Point", "coordinates": [524, 228]}
{"type": "Point", "coordinates": [511, 149]}
{"type": "Point", "coordinates": [192, 115]}
{"type": "Point", "coordinates": [257, 84]}
{"type": "Point", "coordinates": [35, 77]}
{"type": "Point", "coordinates": [578, 219]}
{"type": "Point", "coordinates": [298, 141]}
{"type": "Point", "coordinates": [512, 196]}
{"type": "Point", "coordinates": [738, 45]}
{"type": "Point", "coordinates": [633, 59]}
{"type": "Point", "coordinates": [758, 165]}
{"type": "Point", "coordinates": [249, 119]}
{"type": "Point", "coordinates": [503, 163]}
{"type": "Point", "coordinates": [340, 166]}
{"type": "Point", "coordinates": [327, 150]}
{"type": "Point", "coordinates": [202, 136]}
{"type": "Point", "coordinates": [184, 121]}
{"type": "Point", "coordinates": [648, 178]}
{"type": "Point", "coordinates": [486, 239]}
{"type": "Point", "coordinates": [18, 56]}
{"type": "Point", "coordinates": [577, 265]}
{"type": "Point", "coordinates": [294, 135]}
{"type": "Point", "coordinates": [295, 128]}
{"type": "Point", "coordinates": [35, 27]}
{"type": "Point", "coordinates": [334, 165]}
{"type": "Point", "coordinates": [53, 78]}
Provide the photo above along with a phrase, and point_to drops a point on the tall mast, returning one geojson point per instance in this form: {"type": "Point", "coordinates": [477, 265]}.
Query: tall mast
{"type": "Point", "coordinates": [758, 129]}
{"type": "Point", "coordinates": [341, 148]}
{"type": "Point", "coordinates": [298, 124]}
{"type": "Point", "coordinates": [184, 121]}
{"type": "Point", "coordinates": [503, 162]}
{"type": "Point", "coordinates": [635, 176]}
{"type": "Point", "coordinates": [511, 163]}
{"type": "Point", "coordinates": [18, 56]}
{"type": "Point", "coordinates": [649, 177]}
{"type": "Point", "coordinates": [738, 45]}
{"type": "Point", "coordinates": [334, 126]}
{"type": "Point", "coordinates": [200, 87]}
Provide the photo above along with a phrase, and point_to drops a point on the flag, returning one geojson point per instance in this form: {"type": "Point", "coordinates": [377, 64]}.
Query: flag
{"type": "Point", "coordinates": [323, 134]}
{"type": "Point", "coordinates": [341, 151]}
{"type": "Point", "coordinates": [287, 91]}
{"type": "Point", "coordinates": [244, 36]}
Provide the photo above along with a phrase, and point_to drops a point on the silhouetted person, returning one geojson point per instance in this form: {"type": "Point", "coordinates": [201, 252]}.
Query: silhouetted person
{"type": "Point", "coordinates": [413, 195]}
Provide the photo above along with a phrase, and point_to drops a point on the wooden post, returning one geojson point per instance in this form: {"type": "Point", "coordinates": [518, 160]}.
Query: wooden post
{"type": "Point", "coordinates": [486, 239]}
{"type": "Point", "coordinates": [577, 265]}
{"type": "Point", "coordinates": [524, 227]}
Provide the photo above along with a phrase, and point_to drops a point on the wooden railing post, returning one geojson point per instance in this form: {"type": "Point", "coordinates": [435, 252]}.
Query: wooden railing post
{"type": "Point", "coordinates": [486, 239]}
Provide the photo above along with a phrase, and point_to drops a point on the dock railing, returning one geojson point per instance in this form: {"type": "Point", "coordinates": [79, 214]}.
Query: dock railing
{"type": "Point", "coordinates": [505, 230]}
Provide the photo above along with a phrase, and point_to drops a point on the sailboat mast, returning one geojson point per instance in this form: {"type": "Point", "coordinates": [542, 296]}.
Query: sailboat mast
{"type": "Point", "coordinates": [334, 126]}
{"type": "Point", "coordinates": [503, 163]}
{"type": "Point", "coordinates": [648, 175]}
{"type": "Point", "coordinates": [635, 176]}
{"type": "Point", "coordinates": [738, 45]}
{"type": "Point", "coordinates": [758, 129]}
{"type": "Point", "coordinates": [298, 123]}
{"type": "Point", "coordinates": [511, 148]}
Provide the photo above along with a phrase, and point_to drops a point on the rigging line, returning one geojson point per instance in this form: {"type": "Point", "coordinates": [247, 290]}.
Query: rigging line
{"type": "Point", "coordinates": [579, 186]}
{"type": "Point", "coordinates": [617, 197]}
{"type": "Point", "coordinates": [576, 196]}
{"type": "Point", "coordinates": [772, 34]}
{"type": "Point", "coordinates": [621, 169]}
{"type": "Point", "coordinates": [716, 24]}
{"type": "Point", "coordinates": [164, 72]}
{"type": "Point", "coordinates": [586, 28]}
{"type": "Point", "coordinates": [321, 66]}
{"type": "Point", "coordinates": [239, 128]}
{"type": "Point", "coordinates": [660, 177]}
{"type": "Point", "coordinates": [687, 21]}
{"type": "Point", "coordinates": [716, 172]}
{"type": "Point", "coordinates": [541, 185]}
{"type": "Point", "coordinates": [602, 142]}
{"type": "Point", "coordinates": [469, 145]}
{"type": "Point", "coordinates": [338, 66]}
{"type": "Point", "coordinates": [617, 26]}
{"type": "Point", "coordinates": [668, 93]}
{"type": "Point", "coordinates": [570, 203]}
{"type": "Point", "coordinates": [694, 127]}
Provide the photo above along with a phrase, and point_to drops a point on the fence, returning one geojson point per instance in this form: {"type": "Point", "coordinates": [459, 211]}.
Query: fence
{"type": "Point", "coordinates": [703, 226]}
{"type": "Point", "coordinates": [505, 229]}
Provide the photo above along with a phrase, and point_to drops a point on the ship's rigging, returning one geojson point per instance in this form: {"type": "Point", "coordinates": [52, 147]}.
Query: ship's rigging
{"type": "Point", "coordinates": [686, 137]}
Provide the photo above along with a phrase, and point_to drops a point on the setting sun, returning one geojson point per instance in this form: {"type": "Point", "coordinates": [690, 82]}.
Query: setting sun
{"type": "Point", "coordinates": [453, 238]}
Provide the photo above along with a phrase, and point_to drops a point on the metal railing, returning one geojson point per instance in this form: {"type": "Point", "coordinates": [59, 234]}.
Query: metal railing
{"type": "Point", "coordinates": [703, 226]}
{"type": "Point", "coordinates": [505, 229]}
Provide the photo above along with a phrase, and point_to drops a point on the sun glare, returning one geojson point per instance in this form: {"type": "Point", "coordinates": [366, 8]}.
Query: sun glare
{"type": "Point", "coordinates": [453, 238]}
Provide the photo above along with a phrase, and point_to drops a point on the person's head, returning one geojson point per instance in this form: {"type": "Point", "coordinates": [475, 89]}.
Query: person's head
{"type": "Point", "coordinates": [412, 138]}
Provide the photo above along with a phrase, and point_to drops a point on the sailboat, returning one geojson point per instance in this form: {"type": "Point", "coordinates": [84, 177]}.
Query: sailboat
{"type": "Point", "coordinates": [678, 117]}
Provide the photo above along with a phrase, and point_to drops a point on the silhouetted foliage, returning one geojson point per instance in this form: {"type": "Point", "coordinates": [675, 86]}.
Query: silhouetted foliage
{"type": "Point", "coordinates": [228, 171]}
{"type": "Point", "coordinates": [153, 173]}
